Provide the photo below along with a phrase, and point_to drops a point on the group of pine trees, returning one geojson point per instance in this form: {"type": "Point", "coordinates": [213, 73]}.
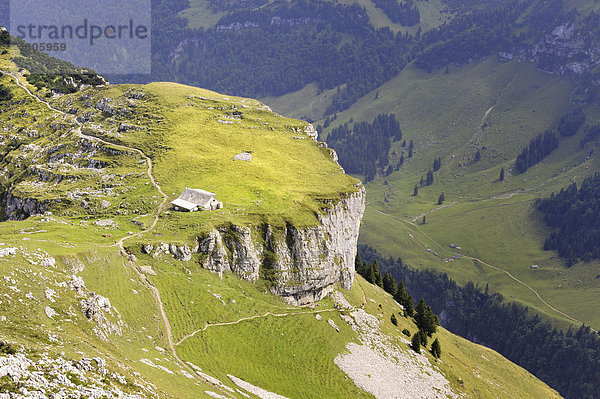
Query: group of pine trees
{"type": "Point", "coordinates": [426, 321]}
{"type": "Point", "coordinates": [406, 13]}
{"type": "Point", "coordinates": [538, 149]}
{"type": "Point", "coordinates": [570, 123]}
{"type": "Point", "coordinates": [574, 216]}
{"type": "Point", "coordinates": [568, 361]}
{"type": "Point", "coordinates": [428, 180]}
{"type": "Point", "coordinates": [543, 145]}
{"type": "Point", "coordinates": [364, 148]}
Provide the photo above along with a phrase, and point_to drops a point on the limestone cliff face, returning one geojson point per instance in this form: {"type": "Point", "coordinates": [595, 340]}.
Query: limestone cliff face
{"type": "Point", "coordinates": [16, 208]}
{"type": "Point", "coordinates": [301, 264]}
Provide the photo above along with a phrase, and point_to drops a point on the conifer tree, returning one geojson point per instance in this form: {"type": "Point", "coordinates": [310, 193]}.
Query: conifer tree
{"type": "Point", "coordinates": [400, 162]}
{"type": "Point", "coordinates": [389, 283]}
{"type": "Point", "coordinates": [416, 343]}
{"type": "Point", "coordinates": [436, 348]}
{"type": "Point", "coordinates": [425, 319]}
{"type": "Point", "coordinates": [416, 191]}
{"type": "Point", "coordinates": [409, 308]}
{"type": "Point", "coordinates": [441, 199]}
{"type": "Point", "coordinates": [377, 272]}
{"type": "Point", "coordinates": [401, 295]}
{"type": "Point", "coordinates": [358, 265]}
{"type": "Point", "coordinates": [429, 181]}
{"type": "Point", "coordinates": [370, 276]}
{"type": "Point", "coordinates": [502, 174]}
{"type": "Point", "coordinates": [404, 299]}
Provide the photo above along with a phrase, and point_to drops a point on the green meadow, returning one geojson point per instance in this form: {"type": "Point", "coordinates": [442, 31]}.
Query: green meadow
{"type": "Point", "coordinates": [497, 108]}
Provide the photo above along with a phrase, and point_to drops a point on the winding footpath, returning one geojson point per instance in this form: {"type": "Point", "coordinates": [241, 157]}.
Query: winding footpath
{"type": "Point", "coordinates": [231, 323]}
{"type": "Point", "coordinates": [487, 265]}
{"type": "Point", "coordinates": [439, 208]}
{"type": "Point", "coordinates": [120, 243]}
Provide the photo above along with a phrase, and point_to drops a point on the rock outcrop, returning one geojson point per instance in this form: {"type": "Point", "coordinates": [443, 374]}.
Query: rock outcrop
{"type": "Point", "coordinates": [568, 49]}
{"type": "Point", "coordinates": [302, 264]}
{"type": "Point", "coordinates": [16, 208]}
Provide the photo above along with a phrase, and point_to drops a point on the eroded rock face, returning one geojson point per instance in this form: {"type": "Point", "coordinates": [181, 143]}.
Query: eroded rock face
{"type": "Point", "coordinates": [232, 249]}
{"type": "Point", "coordinates": [16, 208]}
{"type": "Point", "coordinates": [303, 264]}
{"type": "Point", "coordinates": [180, 252]}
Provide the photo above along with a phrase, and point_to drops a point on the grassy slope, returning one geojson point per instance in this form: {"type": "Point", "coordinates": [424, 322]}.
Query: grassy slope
{"type": "Point", "coordinates": [103, 272]}
{"type": "Point", "coordinates": [199, 15]}
{"type": "Point", "coordinates": [293, 355]}
{"type": "Point", "coordinates": [474, 369]}
{"type": "Point", "coordinates": [287, 180]}
{"type": "Point", "coordinates": [304, 103]}
{"type": "Point", "coordinates": [493, 221]}
{"type": "Point", "coordinates": [433, 13]}
{"type": "Point", "coordinates": [583, 6]}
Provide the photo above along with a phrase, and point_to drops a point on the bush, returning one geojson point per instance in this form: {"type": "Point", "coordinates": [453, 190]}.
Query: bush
{"type": "Point", "coordinates": [406, 332]}
{"type": "Point", "coordinates": [5, 93]}
{"type": "Point", "coordinates": [7, 348]}
{"type": "Point", "coordinates": [394, 320]}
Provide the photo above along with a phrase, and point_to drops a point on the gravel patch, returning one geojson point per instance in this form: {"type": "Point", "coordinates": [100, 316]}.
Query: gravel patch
{"type": "Point", "coordinates": [385, 370]}
{"type": "Point", "coordinates": [340, 300]}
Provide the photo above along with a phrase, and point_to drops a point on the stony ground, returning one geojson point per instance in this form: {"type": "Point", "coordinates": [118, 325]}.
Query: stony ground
{"type": "Point", "coordinates": [383, 369]}
{"type": "Point", "coordinates": [56, 378]}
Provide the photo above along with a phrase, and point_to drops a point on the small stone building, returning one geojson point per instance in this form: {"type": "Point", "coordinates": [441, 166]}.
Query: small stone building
{"type": "Point", "coordinates": [192, 200]}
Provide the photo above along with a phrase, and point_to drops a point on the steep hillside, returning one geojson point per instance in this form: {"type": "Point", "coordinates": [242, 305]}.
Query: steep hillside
{"type": "Point", "coordinates": [494, 108]}
{"type": "Point", "coordinates": [109, 293]}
